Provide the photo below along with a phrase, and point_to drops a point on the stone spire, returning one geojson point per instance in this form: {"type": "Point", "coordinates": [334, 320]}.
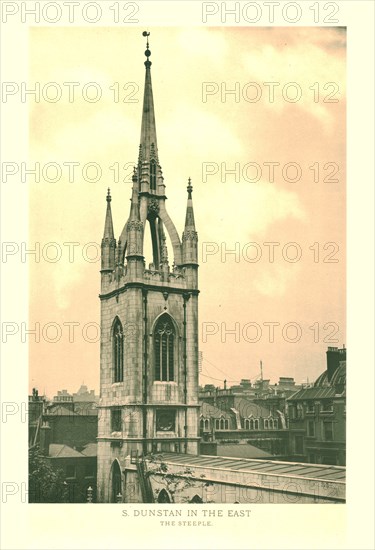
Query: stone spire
{"type": "Point", "coordinates": [148, 146]}
{"type": "Point", "coordinates": [108, 225]}
{"type": "Point", "coordinates": [190, 235]}
{"type": "Point", "coordinates": [108, 240]}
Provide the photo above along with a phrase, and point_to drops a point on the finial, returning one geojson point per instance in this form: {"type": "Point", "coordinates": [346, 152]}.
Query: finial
{"type": "Point", "coordinates": [189, 188]}
{"type": "Point", "coordinates": [164, 250]}
{"type": "Point", "coordinates": [134, 177]}
{"type": "Point", "coordinates": [147, 52]}
{"type": "Point", "coordinates": [109, 198]}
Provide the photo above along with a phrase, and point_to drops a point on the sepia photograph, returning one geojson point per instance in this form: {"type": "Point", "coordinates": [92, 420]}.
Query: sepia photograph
{"type": "Point", "coordinates": [212, 368]}
{"type": "Point", "coordinates": [184, 219]}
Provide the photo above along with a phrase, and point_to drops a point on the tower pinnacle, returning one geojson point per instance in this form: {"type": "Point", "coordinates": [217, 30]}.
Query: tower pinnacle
{"type": "Point", "coordinates": [108, 241]}
{"type": "Point", "coordinates": [108, 225]}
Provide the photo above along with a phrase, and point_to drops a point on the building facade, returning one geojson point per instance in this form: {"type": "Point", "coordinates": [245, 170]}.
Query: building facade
{"type": "Point", "coordinates": [317, 415]}
{"type": "Point", "coordinates": [149, 324]}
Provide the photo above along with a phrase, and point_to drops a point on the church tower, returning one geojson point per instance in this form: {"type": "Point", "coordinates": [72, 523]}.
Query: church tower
{"type": "Point", "coordinates": [149, 323]}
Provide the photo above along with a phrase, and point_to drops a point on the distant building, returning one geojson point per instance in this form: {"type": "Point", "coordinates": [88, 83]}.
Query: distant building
{"type": "Point", "coordinates": [66, 430]}
{"type": "Point", "coordinates": [238, 422]}
{"type": "Point", "coordinates": [260, 389]}
{"type": "Point", "coordinates": [84, 395]}
{"type": "Point", "coordinates": [317, 415]}
{"type": "Point", "coordinates": [63, 398]}
{"type": "Point", "coordinates": [79, 467]}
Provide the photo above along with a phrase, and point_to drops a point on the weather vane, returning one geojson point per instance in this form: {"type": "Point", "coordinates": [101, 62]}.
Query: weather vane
{"type": "Point", "coordinates": [147, 52]}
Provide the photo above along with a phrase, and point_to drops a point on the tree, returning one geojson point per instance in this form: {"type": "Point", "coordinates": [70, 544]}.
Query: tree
{"type": "Point", "coordinates": [175, 483]}
{"type": "Point", "coordinates": [46, 483]}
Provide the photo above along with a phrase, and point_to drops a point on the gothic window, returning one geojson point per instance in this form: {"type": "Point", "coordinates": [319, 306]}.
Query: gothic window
{"type": "Point", "coordinates": [266, 424]}
{"type": "Point", "coordinates": [116, 493]}
{"type": "Point", "coordinates": [164, 339]}
{"type": "Point", "coordinates": [196, 499]}
{"type": "Point", "coordinates": [153, 175]}
{"type": "Point", "coordinates": [271, 424]}
{"type": "Point", "coordinates": [251, 424]}
{"type": "Point", "coordinates": [163, 497]}
{"type": "Point", "coordinates": [118, 351]}
{"type": "Point", "coordinates": [217, 424]}
{"type": "Point", "coordinates": [256, 424]}
{"type": "Point", "coordinates": [276, 424]}
{"type": "Point", "coordinates": [207, 424]}
{"type": "Point", "coordinates": [202, 424]}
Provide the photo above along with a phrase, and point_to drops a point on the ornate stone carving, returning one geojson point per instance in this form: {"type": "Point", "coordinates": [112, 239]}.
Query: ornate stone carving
{"type": "Point", "coordinates": [133, 249]}
{"type": "Point", "coordinates": [190, 236]}
{"type": "Point", "coordinates": [135, 225]}
{"type": "Point", "coordinates": [153, 207]}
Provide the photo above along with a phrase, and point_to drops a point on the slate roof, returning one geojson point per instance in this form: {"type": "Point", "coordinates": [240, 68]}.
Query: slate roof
{"type": "Point", "coordinates": [58, 450]}
{"type": "Point", "coordinates": [91, 449]}
{"type": "Point", "coordinates": [313, 393]}
{"type": "Point", "coordinates": [60, 410]}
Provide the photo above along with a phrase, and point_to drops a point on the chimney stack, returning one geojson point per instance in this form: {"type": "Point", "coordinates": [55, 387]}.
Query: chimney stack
{"type": "Point", "coordinates": [334, 356]}
{"type": "Point", "coordinates": [45, 438]}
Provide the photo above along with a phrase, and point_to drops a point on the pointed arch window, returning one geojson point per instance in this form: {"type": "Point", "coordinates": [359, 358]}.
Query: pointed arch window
{"type": "Point", "coordinates": [153, 175]}
{"type": "Point", "coordinates": [163, 497]}
{"type": "Point", "coordinates": [164, 340]}
{"type": "Point", "coordinates": [116, 493]}
{"type": "Point", "coordinates": [118, 351]}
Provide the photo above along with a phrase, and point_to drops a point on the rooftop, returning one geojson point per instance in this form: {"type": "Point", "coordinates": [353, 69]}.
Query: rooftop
{"type": "Point", "coordinates": [59, 450]}
{"type": "Point", "coordinates": [320, 472]}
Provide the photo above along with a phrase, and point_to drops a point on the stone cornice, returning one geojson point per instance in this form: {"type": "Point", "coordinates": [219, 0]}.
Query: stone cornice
{"type": "Point", "coordinates": [145, 286]}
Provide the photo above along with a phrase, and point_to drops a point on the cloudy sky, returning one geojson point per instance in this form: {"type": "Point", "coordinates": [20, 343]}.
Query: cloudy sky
{"type": "Point", "coordinates": [300, 131]}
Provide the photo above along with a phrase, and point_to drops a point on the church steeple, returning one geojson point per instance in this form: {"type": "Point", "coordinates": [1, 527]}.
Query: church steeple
{"type": "Point", "coordinates": [108, 240]}
{"type": "Point", "coordinates": [149, 325]}
{"type": "Point", "coordinates": [149, 170]}
{"type": "Point", "coordinates": [148, 144]}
